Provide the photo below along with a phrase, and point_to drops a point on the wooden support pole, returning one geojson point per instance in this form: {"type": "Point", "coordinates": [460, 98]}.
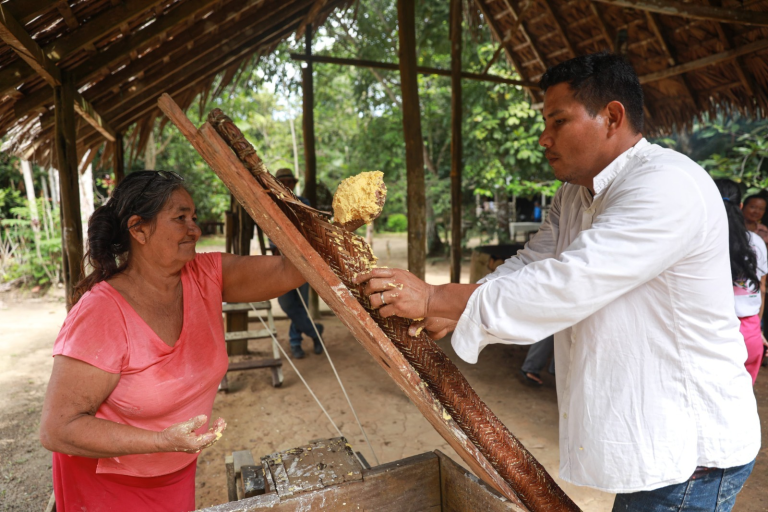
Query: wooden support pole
{"type": "Point", "coordinates": [422, 70]}
{"type": "Point", "coordinates": [118, 158]}
{"type": "Point", "coordinates": [310, 157]}
{"type": "Point", "coordinates": [237, 321]}
{"type": "Point", "coordinates": [693, 11]}
{"type": "Point", "coordinates": [414, 145]}
{"type": "Point", "coordinates": [66, 157]}
{"type": "Point", "coordinates": [456, 153]}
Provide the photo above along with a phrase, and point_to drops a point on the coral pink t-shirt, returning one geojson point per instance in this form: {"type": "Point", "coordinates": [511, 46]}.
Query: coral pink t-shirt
{"type": "Point", "coordinates": [159, 385]}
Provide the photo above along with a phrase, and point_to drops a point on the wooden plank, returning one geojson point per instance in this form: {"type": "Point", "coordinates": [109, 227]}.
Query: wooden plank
{"type": "Point", "coordinates": [694, 11]}
{"type": "Point", "coordinates": [66, 12]}
{"type": "Point", "coordinates": [407, 485]}
{"type": "Point", "coordinates": [416, 202]}
{"type": "Point", "coordinates": [254, 365]}
{"type": "Point", "coordinates": [422, 70]}
{"type": "Point", "coordinates": [717, 58]}
{"type": "Point", "coordinates": [242, 458]}
{"type": "Point", "coordinates": [66, 163]}
{"type": "Point", "coordinates": [456, 149]}
{"type": "Point", "coordinates": [319, 275]}
{"type": "Point", "coordinates": [245, 306]}
{"type": "Point", "coordinates": [14, 35]}
{"type": "Point", "coordinates": [246, 335]}
{"type": "Point", "coordinates": [461, 491]}
{"type": "Point", "coordinates": [118, 158]}
{"type": "Point", "coordinates": [87, 112]}
{"type": "Point", "coordinates": [559, 26]}
{"type": "Point", "coordinates": [229, 465]}
{"type": "Point", "coordinates": [252, 479]}
{"type": "Point", "coordinates": [27, 10]}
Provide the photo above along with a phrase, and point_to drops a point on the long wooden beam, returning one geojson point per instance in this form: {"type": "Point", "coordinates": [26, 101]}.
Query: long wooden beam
{"type": "Point", "coordinates": [14, 35]}
{"type": "Point", "coordinates": [26, 10]}
{"type": "Point", "coordinates": [709, 60]}
{"type": "Point", "coordinates": [699, 12]}
{"type": "Point", "coordinates": [422, 70]}
{"type": "Point", "coordinates": [221, 21]}
{"type": "Point", "coordinates": [97, 27]}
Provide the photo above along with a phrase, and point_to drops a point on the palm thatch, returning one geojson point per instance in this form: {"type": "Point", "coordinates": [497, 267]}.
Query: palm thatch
{"type": "Point", "coordinates": [122, 55]}
{"type": "Point", "coordinates": [703, 58]}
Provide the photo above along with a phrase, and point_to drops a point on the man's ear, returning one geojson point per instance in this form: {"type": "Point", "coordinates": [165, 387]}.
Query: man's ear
{"type": "Point", "coordinates": [616, 116]}
{"type": "Point", "coordinates": [138, 229]}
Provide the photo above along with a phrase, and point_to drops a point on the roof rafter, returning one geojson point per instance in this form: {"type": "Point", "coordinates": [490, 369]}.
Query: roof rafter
{"type": "Point", "coordinates": [26, 10]}
{"type": "Point", "coordinates": [559, 27]}
{"type": "Point", "coordinates": [701, 12]}
{"type": "Point", "coordinates": [14, 35]}
{"type": "Point", "coordinates": [99, 26]}
{"type": "Point", "coordinates": [526, 36]}
{"type": "Point", "coordinates": [709, 60]}
{"type": "Point", "coordinates": [102, 61]}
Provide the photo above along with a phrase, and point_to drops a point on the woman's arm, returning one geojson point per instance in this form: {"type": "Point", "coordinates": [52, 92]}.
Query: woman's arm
{"type": "Point", "coordinates": [68, 424]}
{"type": "Point", "coordinates": [257, 278]}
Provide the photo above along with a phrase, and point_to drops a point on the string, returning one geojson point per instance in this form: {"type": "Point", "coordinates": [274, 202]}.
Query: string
{"type": "Point", "coordinates": [341, 385]}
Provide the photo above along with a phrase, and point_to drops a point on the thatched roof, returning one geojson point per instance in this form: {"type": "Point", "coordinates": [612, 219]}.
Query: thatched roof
{"type": "Point", "coordinates": [122, 55]}
{"type": "Point", "coordinates": [688, 62]}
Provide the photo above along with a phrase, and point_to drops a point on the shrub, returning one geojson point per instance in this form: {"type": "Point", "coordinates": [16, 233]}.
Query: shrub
{"type": "Point", "coordinates": [397, 222]}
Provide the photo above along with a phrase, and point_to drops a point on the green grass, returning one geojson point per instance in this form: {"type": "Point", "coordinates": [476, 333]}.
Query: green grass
{"type": "Point", "coordinates": [207, 241]}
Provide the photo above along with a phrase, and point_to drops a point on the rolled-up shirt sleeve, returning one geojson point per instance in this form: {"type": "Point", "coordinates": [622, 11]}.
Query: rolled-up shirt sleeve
{"type": "Point", "coordinates": [644, 228]}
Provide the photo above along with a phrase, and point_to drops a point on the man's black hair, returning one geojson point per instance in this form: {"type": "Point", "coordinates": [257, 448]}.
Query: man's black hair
{"type": "Point", "coordinates": [597, 79]}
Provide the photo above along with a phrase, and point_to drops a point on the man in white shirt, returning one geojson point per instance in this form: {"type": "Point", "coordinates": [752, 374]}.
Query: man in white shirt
{"type": "Point", "coordinates": [631, 273]}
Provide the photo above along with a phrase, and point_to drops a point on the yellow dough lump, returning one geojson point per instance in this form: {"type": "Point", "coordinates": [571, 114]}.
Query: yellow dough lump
{"type": "Point", "coordinates": [357, 198]}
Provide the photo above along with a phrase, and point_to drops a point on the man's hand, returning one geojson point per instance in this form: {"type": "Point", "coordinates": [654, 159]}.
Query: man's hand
{"type": "Point", "coordinates": [181, 437]}
{"type": "Point", "coordinates": [435, 327]}
{"type": "Point", "coordinates": [396, 292]}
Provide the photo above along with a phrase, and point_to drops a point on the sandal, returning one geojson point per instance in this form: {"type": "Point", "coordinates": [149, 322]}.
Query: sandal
{"type": "Point", "coordinates": [529, 380]}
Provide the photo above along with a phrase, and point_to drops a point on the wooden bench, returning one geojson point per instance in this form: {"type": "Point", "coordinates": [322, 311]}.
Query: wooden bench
{"type": "Point", "coordinates": [275, 364]}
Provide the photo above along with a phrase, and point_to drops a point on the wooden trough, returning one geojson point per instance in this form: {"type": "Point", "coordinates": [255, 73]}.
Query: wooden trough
{"type": "Point", "coordinates": [325, 475]}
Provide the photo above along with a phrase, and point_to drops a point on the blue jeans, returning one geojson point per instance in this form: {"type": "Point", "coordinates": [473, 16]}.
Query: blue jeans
{"type": "Point", "coordinates": [538, 355]}
{"type": "Point", "coordinates": [713, 491]}
{"type": "Point", "coordinates": [300, 322]}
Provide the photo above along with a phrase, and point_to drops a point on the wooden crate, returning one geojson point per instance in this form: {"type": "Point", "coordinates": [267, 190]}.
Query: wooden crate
{"type": "Point", "coordinates": [325, 475]}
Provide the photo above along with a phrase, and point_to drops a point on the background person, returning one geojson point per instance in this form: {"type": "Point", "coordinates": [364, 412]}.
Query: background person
{"type": "Point", "coordinates": [290, 302]}
{"type": "Point", "coordinates": [655, 403]}
{"type": "Point", "coordinates": [753, 209]}
{"type": "Point", "coordinates": [749, 265]}
{"type": "Point", "coordinates": [142, 351]}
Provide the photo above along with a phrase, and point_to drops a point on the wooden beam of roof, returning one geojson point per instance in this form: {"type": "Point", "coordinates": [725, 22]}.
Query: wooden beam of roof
{"type": "Point", "coordinates": [422, 70]}
{"type": "Point", "coordinates": [559, 27]}
{"type": "Point", "coordinates": [144, 104]}
{"type": "Point", "coordinates": [709, 60]}
{"type": "Point", "coordinates": [500, 37]}
{"type": "Point", "coordinates": [97, 27]}
{"type": "Point", "coordinates": [66, 12]}
{"type": "Point", "coordinates": [27, 10]}
{"type": "Point", "coordinates": [189, 72]}
{"type": "Point", "coordinates": [22, 43]}
{"type": "Point", "coordinates": [199, 34]}
{"type": "Point", "coordinates": [526, 36]}
{"type": "Point", "coordinates": [701, 12]}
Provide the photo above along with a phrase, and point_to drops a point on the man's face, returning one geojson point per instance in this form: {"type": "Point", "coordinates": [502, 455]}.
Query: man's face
{"type": "Point", "coordinates": [574, 140]}
{"type": "Point", "coordinates": [289, 182]}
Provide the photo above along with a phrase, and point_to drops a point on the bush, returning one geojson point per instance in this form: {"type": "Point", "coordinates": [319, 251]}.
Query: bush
{"type": "Point", "coordinates": [397, 222]}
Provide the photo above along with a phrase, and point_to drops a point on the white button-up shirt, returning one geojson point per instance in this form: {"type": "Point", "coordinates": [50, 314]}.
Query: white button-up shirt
{"type": "Point", "coordinates": [636, 284]}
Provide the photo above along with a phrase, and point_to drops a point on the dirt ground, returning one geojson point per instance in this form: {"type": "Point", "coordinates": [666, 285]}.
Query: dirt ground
{"type": "Point", "coordinates": [264, 419]}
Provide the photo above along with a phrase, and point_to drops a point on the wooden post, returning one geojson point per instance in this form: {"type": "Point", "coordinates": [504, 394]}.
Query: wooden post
{"type": "Point", "coordinates": [66, 155]}
{"type": "Point", "coordinates": [242, 231]}
{"type": "Point", "coordinates": [118, 158]}
{"type": "Point", "coordinates": [310, 160]}
{"type": "Point", "coordinates": [456, 117]}
{"type": "Point", "coordinates": [414, 158]}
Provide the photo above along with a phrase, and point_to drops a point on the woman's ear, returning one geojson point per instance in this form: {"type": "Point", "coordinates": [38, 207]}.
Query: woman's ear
{"type": "Point", "coordinates": [138, 229]}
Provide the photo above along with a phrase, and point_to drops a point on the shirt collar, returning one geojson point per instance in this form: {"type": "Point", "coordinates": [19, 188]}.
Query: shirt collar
{"type": "Point", "coordinates": [607, 175]}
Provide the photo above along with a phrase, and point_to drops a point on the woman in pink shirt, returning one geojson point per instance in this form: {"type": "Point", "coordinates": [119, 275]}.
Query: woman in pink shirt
{"type": "Point", "coordinates": [749, 265]}
{"type": "Point", "coordinates": [142, 351]}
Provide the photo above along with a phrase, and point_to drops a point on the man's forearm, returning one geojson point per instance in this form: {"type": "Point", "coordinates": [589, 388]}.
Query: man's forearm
{"type": "Point", "coordinates": [450, 300]}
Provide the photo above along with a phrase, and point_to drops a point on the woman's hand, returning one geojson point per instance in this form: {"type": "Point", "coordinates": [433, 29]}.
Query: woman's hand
{"type": "Point", "coordinates": [181, 437]}
{"type": "Point", "coordinates": [396, 292]}
{"type": "Point", "coordinates": [435, 327]}
{"type": "Point", "coordinates": [765, 342]}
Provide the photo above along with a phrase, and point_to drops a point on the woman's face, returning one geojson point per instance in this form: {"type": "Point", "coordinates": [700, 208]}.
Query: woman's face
{"type": "Point", "coordinates": [754, 210]}
{"type": "Point", "coordinates": [172, 241]}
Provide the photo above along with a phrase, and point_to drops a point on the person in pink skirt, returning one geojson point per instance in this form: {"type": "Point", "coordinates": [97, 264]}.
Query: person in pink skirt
{"type": "Point", "coordinates": [749, 265]}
